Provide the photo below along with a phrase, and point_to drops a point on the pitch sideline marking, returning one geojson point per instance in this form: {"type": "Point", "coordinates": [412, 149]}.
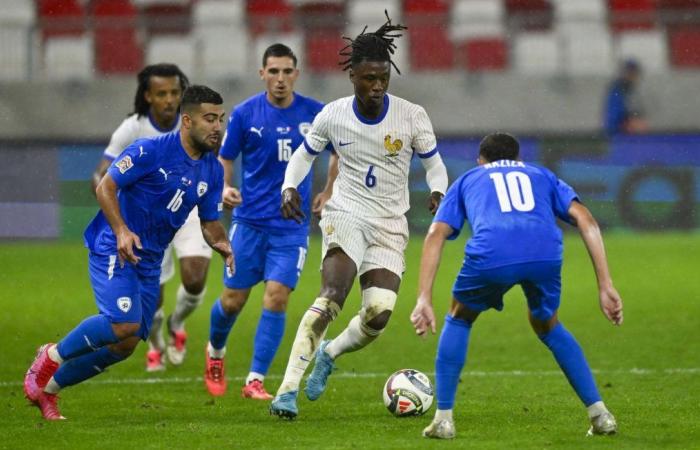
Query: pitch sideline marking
{"type": "Point", "coordinates": [469, 373]}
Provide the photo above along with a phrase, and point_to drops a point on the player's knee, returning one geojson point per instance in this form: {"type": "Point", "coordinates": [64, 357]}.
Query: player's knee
{"type": "Point", "coordinates": [194, 286]}
{"type": "Point", "coordinates": [542, 326]}
{"type": "Point", "coordinates": [233, 300]}
{"type": "Point", "coordinates": [336, 292]}
{"type": "Point", "coordinates": [125, 347]}
{"type": "Point", "coordinates": [377, 306]}
{"type": "Point", "coordinates": [125, 330]}
{"type": "Point", "coordinates": [379, 322]}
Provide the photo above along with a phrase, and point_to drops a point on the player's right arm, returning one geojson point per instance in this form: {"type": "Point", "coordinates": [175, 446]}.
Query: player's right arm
{"type": "Point", "coordinates": [610, 301]}
{"type": "Point", "coordinates": [106, 193]}
{"type": "Point", "coordinates": [124, 135]}
{"type": "Point", "coordinates": [231, 147]}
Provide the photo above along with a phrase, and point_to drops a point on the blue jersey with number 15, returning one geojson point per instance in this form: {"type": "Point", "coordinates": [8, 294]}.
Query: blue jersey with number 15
{"type": "Point", "coordinates": [512, 208]}
{"type": "Point", "coordinates": [266, 136]}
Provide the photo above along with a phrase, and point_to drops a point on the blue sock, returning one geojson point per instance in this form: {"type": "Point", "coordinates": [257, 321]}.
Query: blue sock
{"type": "Point", "coordinates": [86, 366]}
{"type": "Point", "coordinates": [451, 356]}
{"type": "Point", "coordinates": [570, 358]}
{"type": "Point", "coordinates": [220, 325]}
{"type": "Point", "coordinates": [267, 340]}
{"type": "Point", "coordinates": [92, 333]}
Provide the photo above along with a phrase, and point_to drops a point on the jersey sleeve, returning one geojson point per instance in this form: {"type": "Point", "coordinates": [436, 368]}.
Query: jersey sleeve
{"type": "Point", "coordinates": [452, 210]}
{"type": "Point", "coordinates": [122, 137]}
{"type": "Point", "coordinates": [210, 206]}
{"type": "Point", "coordinates": [233, 141]}
{"type": "Point", "coordinates": [317, 138]}
{"type": "Point", "coordinates": [136, 161]}
{"type": "Point", "coordinates": [424, 142]}
{"type": "Point", "coordinates": [563, 196]}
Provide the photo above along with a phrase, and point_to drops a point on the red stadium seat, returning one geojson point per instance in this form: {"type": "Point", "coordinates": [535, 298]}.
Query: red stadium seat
{"type": "Point", "coordinates": [61, 18]}
{"type": "Point", "coordinates": [431, 47]}
{"type": "Point", "coordinates": [322, 47]}
{"type": "Point", "coordinates": [425, 6]}
{"type": "Point", "coordinates": [168, 19]}
{"type": "Point", "coordinates": [685, 48]}
{"type": "Point", "coordinates": [677, 12]}
{"type": "Point", "coordinates": [484, 54]}
{"type": "Point", "coordinates": [116, 45]}
{"type": "Point", "coordinates": [530, 14]}
{"type": "Point", "coordinates": [628, 15]}
{"type": "Point", "coordinates": [269, 16]}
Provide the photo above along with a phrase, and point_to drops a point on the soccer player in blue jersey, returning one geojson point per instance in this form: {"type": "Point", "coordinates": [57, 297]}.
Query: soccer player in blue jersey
{"type": "Point", "coordinates": [512, 208]}
{"type": "Point", "coordinates": [145, 197]}
{"type": "Point", "coordinates": [265, 130]}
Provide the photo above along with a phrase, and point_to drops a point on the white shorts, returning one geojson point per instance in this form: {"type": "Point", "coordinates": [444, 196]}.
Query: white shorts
{"type": "Point", "coordinates": [372, 243]}
{"type": "Point", "coordinates": [188, 241]}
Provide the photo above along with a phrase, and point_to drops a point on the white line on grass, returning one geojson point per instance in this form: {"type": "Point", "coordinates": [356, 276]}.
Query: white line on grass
{"type": "Point", "coordinates": [469, 373]}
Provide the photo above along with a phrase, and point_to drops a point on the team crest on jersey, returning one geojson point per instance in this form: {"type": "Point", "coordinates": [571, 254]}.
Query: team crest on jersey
{"type": "Point", "coordinates": [124, 303]}
{"type": "Point", "coordinates": [392, 147]}
{"type": "Point", "coordinates": [304, 128]}
{"type": "Point", "coordinates": [124, 164]}
{"type": "Point", "coordinates": [202, 187]}
{"type": "Point", "coordinates": [329, 229]}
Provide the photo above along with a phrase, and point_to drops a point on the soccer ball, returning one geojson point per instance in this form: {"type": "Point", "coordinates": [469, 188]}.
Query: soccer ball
{"type": "Point", "coordinates": [408, 392]}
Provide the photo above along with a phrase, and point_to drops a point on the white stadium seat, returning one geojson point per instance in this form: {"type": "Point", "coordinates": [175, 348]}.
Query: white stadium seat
{"type": "Point", "coordinates": [174, 49]}
{"type": "Point", "coordinates": [476, 18]}
{"type": "Point", "coordinates": [69, 58]}
{"type": "Point", "coordinates": [647, 47]}
{"type": "Point", "coordinates": [537, 53]}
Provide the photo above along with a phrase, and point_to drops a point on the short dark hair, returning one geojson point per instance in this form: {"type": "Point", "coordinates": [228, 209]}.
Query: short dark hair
{"type": "Point", "coordinates": [376, 46]}
{"type": "Point", "coordinates": [497, 146]}
{"type": "Point", "coordinates": [278, 50]}
{"type": "Point", "coordinates": [197, 94]}
{"type": "Point", "coordinates": [141, 106]}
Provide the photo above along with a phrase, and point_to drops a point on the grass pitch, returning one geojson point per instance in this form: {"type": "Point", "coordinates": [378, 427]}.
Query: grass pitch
{"type": "Point", "coordinates": [512, 394]}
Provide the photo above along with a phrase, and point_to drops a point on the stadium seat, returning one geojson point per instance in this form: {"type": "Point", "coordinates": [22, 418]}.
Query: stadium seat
{"type": "Point", "coordinates": [529, 15]}
{"type": "Point", "coordinates": [166, 17]}
{"type": "Point", "coordinates": [431, 47]}
{"type": "Point", "coordinates": [592, 55]}
{"type": "Point", "coordinates": [269, 16]}
{"type": "Point", "coordinates": [685, 48]}
{"type": "Point", "coordinates": [295, 41]}
{"type": "Point", "coordinates": [69, 58]}
{"type": "Point", "coordinates": [221, 38]}
{"type": "Point", "coordinates": [476, 18]}
{"type": "Point", "coordinates": [322, 47]}
{"type": "Point", "coordinates": [218, 12]}
{"type": "Point", "coordinates": [485, 54]}
{"type": "Point", "coordinates": [176, 49]}
{"type": "Point", "coordinates": [537, 53]}
{"type": "Point", "coordinates": [314, 14]}
{"type": "Point", "coordinates": [118, 49]}
{"type": "Point", "coordinates": [632, 14]}
{"type": "Point", "coordinates": [580, 10]}
{"type": "Point", "coordinates": [647, 47]}
{"type": "Point", "coordinates": [16, 39]}
{"type": "Point", "coordinates": [679, 12]}
{"type": "Point", "coordinates": [367, 12]}
{"type": "Point", "coordinates": [61, 18]}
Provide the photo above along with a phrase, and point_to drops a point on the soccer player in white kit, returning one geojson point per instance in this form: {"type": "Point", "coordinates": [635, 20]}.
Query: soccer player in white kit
{"type": "Point", "coordinates": [156, 112]}
{"type": "Point", "coordinates": [364, 228]}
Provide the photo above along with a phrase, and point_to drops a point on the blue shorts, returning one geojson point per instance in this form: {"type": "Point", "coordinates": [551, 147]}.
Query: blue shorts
{"type": "Point", "coordinates": [124, 294]}
{"type": "Point", "coordinates": [261, 256]}
{"type": "Point", "coordinates": [481, 289]}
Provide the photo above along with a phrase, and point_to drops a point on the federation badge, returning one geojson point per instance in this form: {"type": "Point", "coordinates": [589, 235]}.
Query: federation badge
{"type": "Point", "coordinates": [329, 229]}
{"type": "Point", "coordinates": [124, 164]}
{"type": "Point", "coordinates": [393, 147]}
{"type": "Point", "coordinates": [304, 128]}
{"type": "Point", "coordinates": [124, 303]}
{"type": "Point", "coordinates": [202, 187]}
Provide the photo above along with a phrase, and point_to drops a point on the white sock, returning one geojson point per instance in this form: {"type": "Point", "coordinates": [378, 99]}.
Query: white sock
{"type": "Point", "coordinates": [311, 330]}
{"type": "Point", "coordinates": [54, 356]}
{"type": "Point", "coordinates": [443, 414]}
{"type": "Point", "coordinates": [254, 376]}
{"type": "Point", "coordinates": [216, 353]}
{"type": "Point", "coordinates": [355, 336]}
{"type": "Point", "coordinates": [184, 305]}
{"type": "Point", "coordinates": [52, 387]}
{"type": "Point", "coordinates": [155, 337]}
{"type": "Point", "coordinates": [596, 409]}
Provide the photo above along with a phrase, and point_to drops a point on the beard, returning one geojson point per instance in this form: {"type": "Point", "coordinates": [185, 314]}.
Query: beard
{"type": "Point", "coordinates": [202, 146]}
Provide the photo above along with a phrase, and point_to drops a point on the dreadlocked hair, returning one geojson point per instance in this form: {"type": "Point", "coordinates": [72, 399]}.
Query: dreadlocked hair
{"type": "Point", "coordinates": [141, 106]}
{"type": "Point", "coordinates": [377, 46]}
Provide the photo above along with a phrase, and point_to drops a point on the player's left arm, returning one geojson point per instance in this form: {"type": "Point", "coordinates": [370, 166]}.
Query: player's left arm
{"type": "Point", "coordinates": [215, 235]}
{"type": "Point", "coordinates": [325, 195]}
{"type": "Point", "coordinates": [610, 300]}
{"type": "Point", "coordinates": [425, 145]}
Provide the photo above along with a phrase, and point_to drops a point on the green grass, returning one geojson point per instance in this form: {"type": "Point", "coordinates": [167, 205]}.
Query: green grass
{"type": "Point", "coordinates": [45, 292]}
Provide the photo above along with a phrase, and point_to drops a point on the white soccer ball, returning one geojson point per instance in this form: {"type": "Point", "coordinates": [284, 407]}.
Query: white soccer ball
{"type": "Point", "coordinates": [408, 392]}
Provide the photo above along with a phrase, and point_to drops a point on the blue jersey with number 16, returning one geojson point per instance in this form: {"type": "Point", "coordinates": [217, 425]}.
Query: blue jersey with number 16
{"type": "Point", "coordinates": [512, 208]}
{"type": "Point", "coordinates": [266, 136]}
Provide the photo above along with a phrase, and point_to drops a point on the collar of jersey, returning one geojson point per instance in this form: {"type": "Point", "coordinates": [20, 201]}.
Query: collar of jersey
{"type": "Point", "coordinates": [367, 121]}
{"type": "Point", "coordinates": [163, 130]}
{"type": "Point", "coordinates": [294, 101]}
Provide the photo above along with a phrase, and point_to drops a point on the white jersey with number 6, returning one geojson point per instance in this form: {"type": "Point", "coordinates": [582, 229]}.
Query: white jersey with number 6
{"type": "Point", "coordinates": [375, 155]}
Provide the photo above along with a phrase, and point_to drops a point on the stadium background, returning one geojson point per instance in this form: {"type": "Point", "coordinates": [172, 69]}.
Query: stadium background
{"type": "Point", "coordinates": [537, 68]}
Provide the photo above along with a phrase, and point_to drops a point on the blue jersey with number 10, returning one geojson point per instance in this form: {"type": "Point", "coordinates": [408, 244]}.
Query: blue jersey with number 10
{"type": "Point", "coordinates": [512, 208]}
{"type": "Point", "coordinates": [266, 136]}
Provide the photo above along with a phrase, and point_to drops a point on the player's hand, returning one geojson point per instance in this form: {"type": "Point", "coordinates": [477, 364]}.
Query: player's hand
{"type": "Point", "coordinates": [231, 197]}
{"type": "Point", "coordinates": [434, 201]}
{"type": "Point", "coordinates": [319, 202]}
{"type": "Point", "coordinates": [611, 304]}
{"type": "Point", "coordinates": [291, 205]}
{"type": "Point", "coordinates": [126, 240]}
{"type": "Point", "coordinates": [224, 249]}
{"type": "Point", "coordinates": [423, 317]}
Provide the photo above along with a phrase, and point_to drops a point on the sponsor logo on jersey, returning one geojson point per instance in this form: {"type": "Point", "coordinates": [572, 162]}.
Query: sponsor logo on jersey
{"type": "Point", "coordinates": [124, 164]}
{"type": "Point", "coordinates": [343, 144]}
{"type": "Point", "coordinates": [124, 303]}
{"type": "Point", "coordinates": [202, 187]}
{"type": "Point", "coordinates": [304, 128]}
{"type": "Point", "coordinates": [258, 131]}
{"type": "Point", "coordinates": [392, 147]}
